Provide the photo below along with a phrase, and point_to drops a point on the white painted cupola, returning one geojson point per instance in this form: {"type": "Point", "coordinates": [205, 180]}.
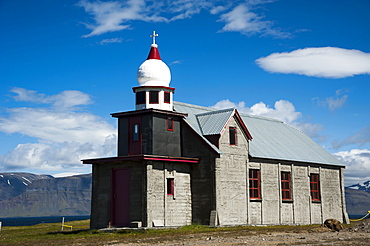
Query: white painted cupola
{"type": "Point", "coordinates": [154, 78]}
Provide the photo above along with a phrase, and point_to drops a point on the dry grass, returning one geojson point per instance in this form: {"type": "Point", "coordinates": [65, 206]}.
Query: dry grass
{"type": "Point", "coordinates": [51, 234]}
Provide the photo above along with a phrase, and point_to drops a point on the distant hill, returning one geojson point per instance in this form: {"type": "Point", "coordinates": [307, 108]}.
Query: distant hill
{"type": "Point", "coordinates": [365, 186]}
{"type": "Point", "coordinates": [30, 195]}
{"type": "Point", "coordinates": [358, 198]}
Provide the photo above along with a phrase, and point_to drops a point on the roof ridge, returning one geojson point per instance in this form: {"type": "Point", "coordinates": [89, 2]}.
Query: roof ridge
{"type": "Point", "coordinates": [261, 117]}
{"type": "Point", "coordinates": [194, 106]}
{"type": "Point", "coordinates": [216, 111]}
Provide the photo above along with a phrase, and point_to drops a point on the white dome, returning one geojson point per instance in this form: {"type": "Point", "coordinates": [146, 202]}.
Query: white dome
{"type": "Point", "coordinates": [153, 72]}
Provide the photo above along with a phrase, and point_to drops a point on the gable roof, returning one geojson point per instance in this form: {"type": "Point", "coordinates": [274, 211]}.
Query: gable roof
{"type": "Point", "coordinates": [272, 139]}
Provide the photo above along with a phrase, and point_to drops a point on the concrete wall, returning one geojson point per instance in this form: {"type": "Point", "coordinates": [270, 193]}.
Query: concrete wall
{"type": "Point", "coordinates": [101, 193]}
{"type": "Point", "coordinates": [231, 179]}
{"type": "Point", "coordinates": [202, 175]}
{"type": "Point", "coordinates": [271, 209]}
{"type": "Point", "coordinates": [163, 209]}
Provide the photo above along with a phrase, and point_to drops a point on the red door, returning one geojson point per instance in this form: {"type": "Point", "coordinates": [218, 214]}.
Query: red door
{"type": "Point", "coordinates": [134, 142]}
{"type": "Point", "coordinates": [120, 212]}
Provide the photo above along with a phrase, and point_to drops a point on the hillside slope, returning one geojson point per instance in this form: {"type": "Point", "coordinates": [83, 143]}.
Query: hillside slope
{"type": "Point", "coordinates": [46, 196]}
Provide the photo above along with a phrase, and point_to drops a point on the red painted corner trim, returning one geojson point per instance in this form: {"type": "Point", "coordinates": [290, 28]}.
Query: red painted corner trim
{"type": "Point", "coordinates": [154, 54]}
{"type": "Point", "coordinates": [245, 129]}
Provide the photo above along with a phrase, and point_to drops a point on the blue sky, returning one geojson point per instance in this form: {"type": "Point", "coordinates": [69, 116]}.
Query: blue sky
{"type": "Point", "coordinates": [65, 65]}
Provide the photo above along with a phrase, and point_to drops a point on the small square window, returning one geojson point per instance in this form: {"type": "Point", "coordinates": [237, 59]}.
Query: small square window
{"type": "Point", "coordinates": [232, 135]}
{"type": "Point", "coordinates": [140, 97]}
{"type": "Point", "coordinates": [169, 124]}
{"type": "Point", "coordinates": [170, 186]}
{"type": "Point", "coordinates": [153, 97]}
{"type": "Point", "coordinates": [136, 132]}
{"type": "Point", "coordinates": [167, 97]}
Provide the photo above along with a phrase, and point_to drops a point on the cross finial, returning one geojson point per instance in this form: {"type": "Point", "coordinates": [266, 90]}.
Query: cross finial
{"type": "Point", "coordinates": [153, 36]}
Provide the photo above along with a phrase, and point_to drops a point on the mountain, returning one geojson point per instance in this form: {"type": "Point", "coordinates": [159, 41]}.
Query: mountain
{"type": "Point", "coordinates": [358, 198]}
{"type": "Point", "coordinates": [14, 184]}
{"type": "Point", "coordinates": [361, 186]}
{"type": "Point", "coordinates": [31, 195]}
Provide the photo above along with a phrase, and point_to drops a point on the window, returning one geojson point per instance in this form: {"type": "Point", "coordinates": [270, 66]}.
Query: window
{"type": "Point", "coordinates": [232, 135]}
{"type": "Point", "coordinates": [254, 184]}
{"type": "Point", "coordinates": [135, 131]}
{"type": "Point", "coordinates": [169, 124]}
{"type": "Point", "coordinates": [167, 97]}
{"type": "Point", "coordinates": [170, 186]}
{"type": "Point", "coordinates": [140, 97]}
{"type": "Point", "coordinates": [315, 187]}
{"type": "Point", "coordinates": [153, 97]}
{"type": "Point", "coordinates": [285, 186]}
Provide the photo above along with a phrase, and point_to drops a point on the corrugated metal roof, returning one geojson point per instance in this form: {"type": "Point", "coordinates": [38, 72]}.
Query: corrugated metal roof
{"type": "Point", "coordinates": [272, 139]}
{"type": "Point", "coordinates": [214, 122]}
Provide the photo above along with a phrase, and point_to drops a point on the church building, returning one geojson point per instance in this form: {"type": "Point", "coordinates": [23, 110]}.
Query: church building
{"type": "Point", "coordinates": [179, 164]}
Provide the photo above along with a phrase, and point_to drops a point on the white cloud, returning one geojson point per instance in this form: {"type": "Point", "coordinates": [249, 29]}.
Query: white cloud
{"type": "Point", "coordinates": [325, 62]}
{"type": "Point", "coordinates": [110, 16]}
{"type": "Point", "coordinates": [334, 102]}
{"type": "Point", "coordinates": [357, 163]}
{"type": "Point", "coordinates": [242, 19]}
{"type": "Point", "coordinates": [283, 110]}
{"type": "Point", "coordinates": [116, 15]}
{"type": "Point", "coordinates": [62, 136]}
{"type": "Point", "coordinates": [360, 138]}
{"type": "Point", "coordinates": [110, 41]}
{"type": "Point", "coordinates": [63, 101]}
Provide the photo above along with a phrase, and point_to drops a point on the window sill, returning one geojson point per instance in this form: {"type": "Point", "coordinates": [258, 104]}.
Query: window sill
{"type": "Point", "coordinates": [287, 201]}
{"type": "Point", "coordinates": [315, 201]}
{"type": "Point", "coordinates": [255, 200]}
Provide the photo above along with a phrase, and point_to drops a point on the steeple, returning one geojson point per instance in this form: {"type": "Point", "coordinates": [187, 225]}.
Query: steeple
{"type": "Point", "coordinates": [154, 78]}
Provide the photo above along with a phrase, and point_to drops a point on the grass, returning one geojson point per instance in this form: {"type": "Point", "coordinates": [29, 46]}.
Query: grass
{"type": "Point", "coordinates": [51, 234]}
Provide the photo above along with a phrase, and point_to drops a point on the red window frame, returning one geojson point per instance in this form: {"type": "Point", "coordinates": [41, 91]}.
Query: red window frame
{"type": "Point", "coordinates": [170, 186]}
{"type": "Point", "coordinates": [286, 192]}
{"type": "Point", "coordinates": [170, 124]}
{"type": "Point", "coordinates": [232, 136]}
{"type": "Point", "coordinates": [140, 97]}
{"type": "Point", "coordinates": [315, 186]}
{"type": "Point", "coordinates": [167, 97]}
{"type": "Point", "coordinates": [254, 184]}
{"type": "Point", "coordinates": [153, 97]}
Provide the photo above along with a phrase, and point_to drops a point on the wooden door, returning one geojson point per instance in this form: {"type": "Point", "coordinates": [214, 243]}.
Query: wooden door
{"type": "Point", "coordinates": [120, 212]}
{"type": "Point", "coordinates": [134, 142]}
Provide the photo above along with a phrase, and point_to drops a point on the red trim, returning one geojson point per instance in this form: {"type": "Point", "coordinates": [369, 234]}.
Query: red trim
{"type": "Point", "coordinates": [286, 193]}
{"type": "Point", "coordinates": [150, 110]}
{"type": "Point", "coordinates": [315, 193]}
{"type": "Point", "coordinates": [254, 175]}
{"type": "Point", "coordinates": [167, 93]}
{"type": "Point", "coordinates": [170, 124]}
{"type": "Point", "coordinates": [243, 125]}
{"type": "Point", "coordinates": [154, 54]}
{"type": "Point", "coordinates": [152, 87]}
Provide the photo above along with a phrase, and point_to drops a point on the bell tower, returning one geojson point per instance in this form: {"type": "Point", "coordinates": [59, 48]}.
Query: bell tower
{"type": "Point", "coordinates": [154, 78]}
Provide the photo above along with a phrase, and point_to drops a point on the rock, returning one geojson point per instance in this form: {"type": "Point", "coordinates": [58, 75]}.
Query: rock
{"type": "Point", "coordinates": [333, 224]}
